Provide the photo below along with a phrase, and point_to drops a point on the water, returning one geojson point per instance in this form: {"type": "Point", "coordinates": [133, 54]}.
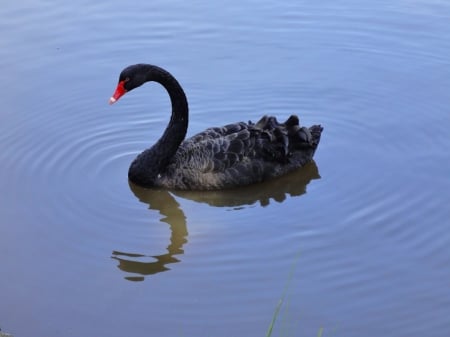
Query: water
{"type": "Point", "coordinates": [364, 229]}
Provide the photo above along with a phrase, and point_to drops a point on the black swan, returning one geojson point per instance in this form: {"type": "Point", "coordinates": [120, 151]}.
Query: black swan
{"type": "Point", "coordinates": [220, 157]}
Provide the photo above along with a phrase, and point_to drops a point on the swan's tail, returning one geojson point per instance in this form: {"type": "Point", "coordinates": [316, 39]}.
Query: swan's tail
{"type": "Point", "coordinates": [316, 131]}
{"type": "Point", "coordinates": [300, 136]}
{"type": "Point", "coordinates": [283, 139]}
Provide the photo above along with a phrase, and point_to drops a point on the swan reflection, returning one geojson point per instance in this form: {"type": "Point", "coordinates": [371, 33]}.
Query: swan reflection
{"type": "Point", "coordinates": [172, 214]}
{"type": "Point", "coordinates": [293, 185]}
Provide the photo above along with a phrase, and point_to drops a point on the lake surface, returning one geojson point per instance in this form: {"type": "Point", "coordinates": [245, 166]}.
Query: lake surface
{"type": "Point", "coordinates": [358, 241]}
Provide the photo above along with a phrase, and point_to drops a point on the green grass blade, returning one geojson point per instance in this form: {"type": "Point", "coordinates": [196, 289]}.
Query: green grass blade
{"type": "Point", "coordinates": [320, 332]}
{"type": "Point", "coordinates": [274, 318]}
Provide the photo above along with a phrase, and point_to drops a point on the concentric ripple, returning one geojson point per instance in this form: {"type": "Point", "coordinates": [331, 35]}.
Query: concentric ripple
{"type": "Point", "coordinates": [372, 231]}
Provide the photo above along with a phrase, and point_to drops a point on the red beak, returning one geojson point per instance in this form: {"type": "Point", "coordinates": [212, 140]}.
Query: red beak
{"type": "Point", "coordinates": [120, 91]}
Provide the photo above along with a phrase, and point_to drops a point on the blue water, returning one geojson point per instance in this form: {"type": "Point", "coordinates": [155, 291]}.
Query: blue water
{"type": "Point", "coordinates": [357, 241]}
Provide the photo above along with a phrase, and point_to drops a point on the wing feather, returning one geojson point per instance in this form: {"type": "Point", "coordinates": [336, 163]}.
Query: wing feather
{"type": "Point", "coordinates": [242, 152]}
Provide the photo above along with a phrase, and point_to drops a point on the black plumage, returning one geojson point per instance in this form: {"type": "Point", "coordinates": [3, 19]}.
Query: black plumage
{"type": "Point", "coordinates": [219, 157]}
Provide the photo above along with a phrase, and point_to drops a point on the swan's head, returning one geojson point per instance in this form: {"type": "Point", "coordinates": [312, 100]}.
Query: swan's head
{"type": "Point", "coordinates": [131, 77]}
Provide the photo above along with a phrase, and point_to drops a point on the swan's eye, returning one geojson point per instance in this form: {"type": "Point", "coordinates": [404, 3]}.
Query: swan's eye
{"type": "Point", "coordinates": [126, 83]}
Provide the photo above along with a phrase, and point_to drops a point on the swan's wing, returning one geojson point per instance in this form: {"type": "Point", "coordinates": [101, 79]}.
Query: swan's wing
{"type": "Point", "coordinates": [217, 132]}
{"type": "Point", "coordinates": [240, 154]}
{"type": "Point", "coordinates": [267, 141]}
{"type": "Point", "coordinates": [215, 151]}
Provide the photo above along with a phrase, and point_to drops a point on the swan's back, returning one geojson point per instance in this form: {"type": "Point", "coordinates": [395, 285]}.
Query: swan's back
{"type": "Point", "coordinates": [240, 154]}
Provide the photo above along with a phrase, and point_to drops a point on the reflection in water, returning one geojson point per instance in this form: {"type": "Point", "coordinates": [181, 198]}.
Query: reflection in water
{"type": "Point", "coordinates": [293, 184]}
{"type": "Point", "coordinates": [168, 207]}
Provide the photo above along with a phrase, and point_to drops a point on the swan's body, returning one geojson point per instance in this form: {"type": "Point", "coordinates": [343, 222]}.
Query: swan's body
{"type": "Point", "coordinates": [217, 158]}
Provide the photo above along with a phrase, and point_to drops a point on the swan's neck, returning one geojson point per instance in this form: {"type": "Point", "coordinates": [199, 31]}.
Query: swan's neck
{"type": "Point", "coordinates": [152, 162]}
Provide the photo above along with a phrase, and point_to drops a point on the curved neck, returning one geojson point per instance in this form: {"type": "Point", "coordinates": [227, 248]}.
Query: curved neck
{"type": "Point", "coordinates": [153, 161]}
{"type": "Point", "coordinates": [178, 124]}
